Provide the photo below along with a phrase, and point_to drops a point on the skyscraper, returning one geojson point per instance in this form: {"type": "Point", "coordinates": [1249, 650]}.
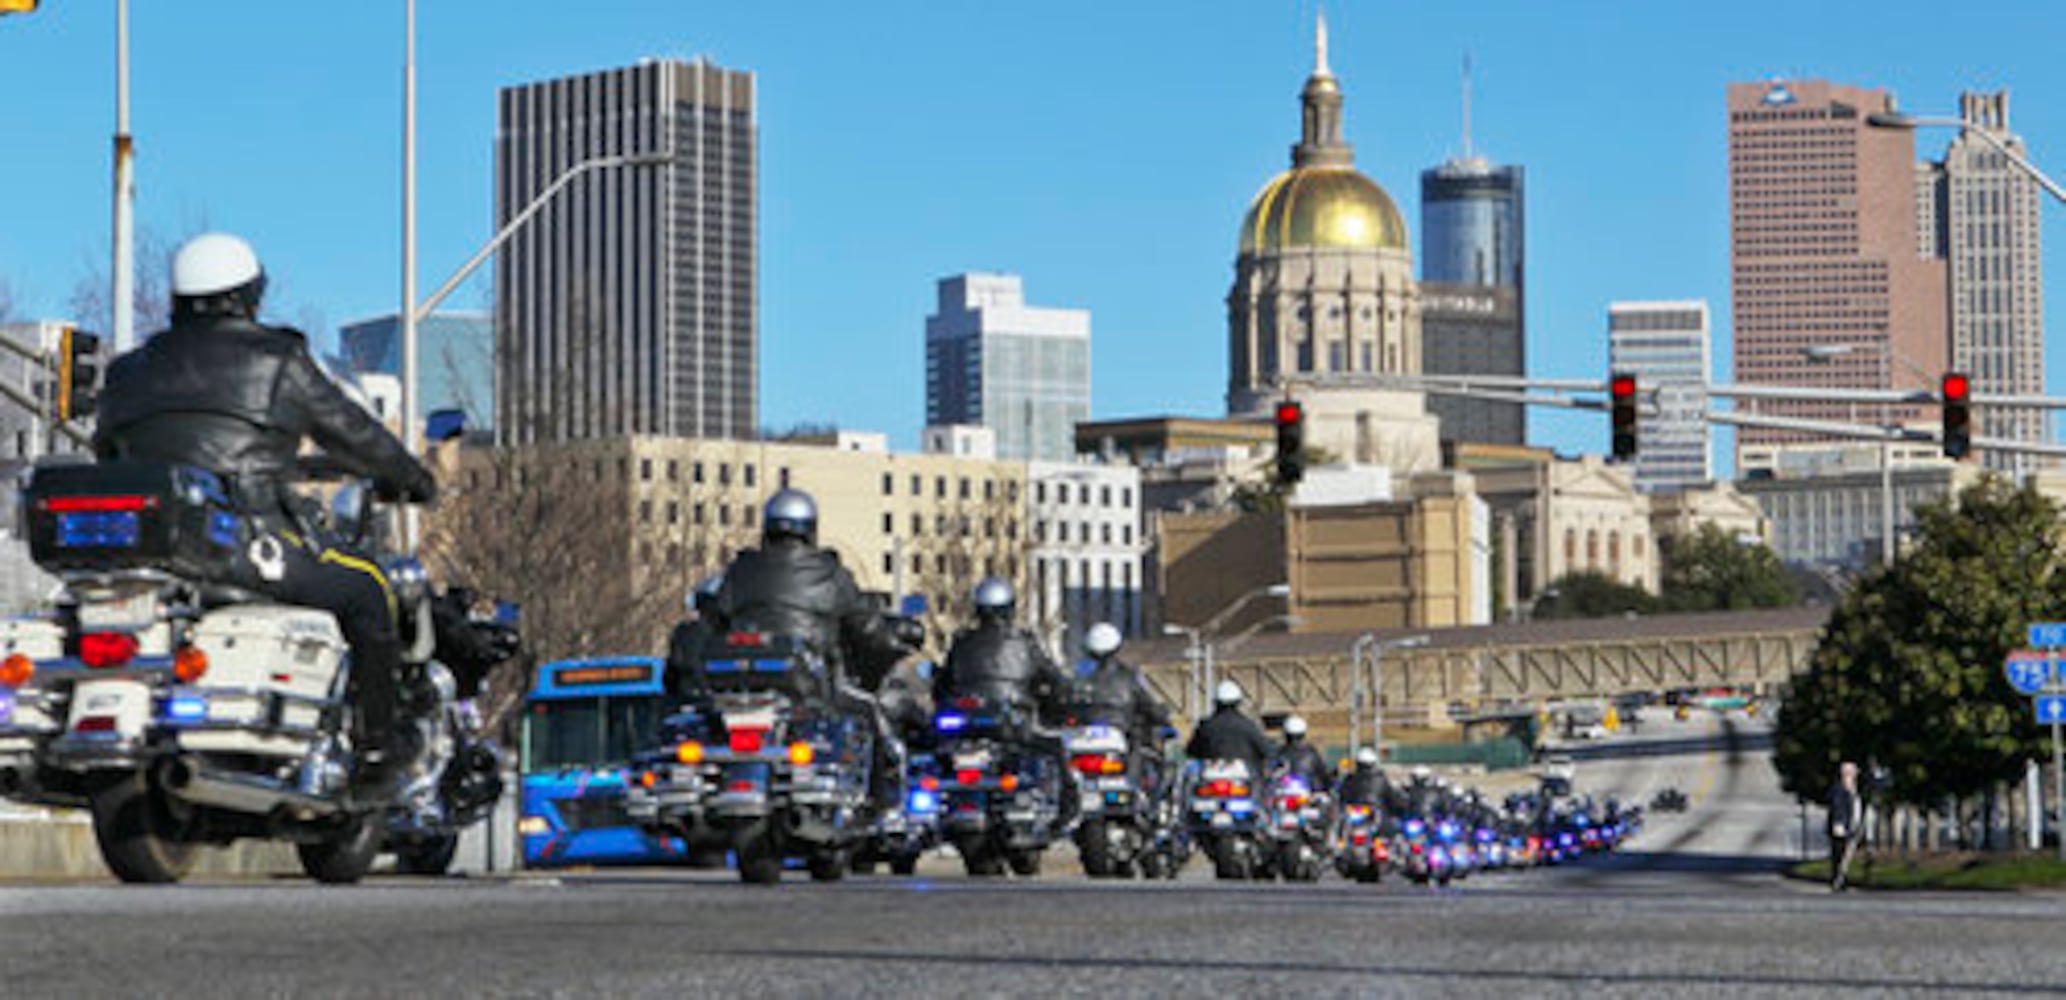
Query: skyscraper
{"type": "Point", "coordinates": [1983, 214]}
{"type": "Point", "coordinates": [1020, 370]}
{"type": "Point", "coordinates": [456, 357]}
{"type": "Point", "coordinates": [630, 304]}
{"type": "Point", "coordinates": [1471, 216]}
{"type": "Point", "coordinates": [1473, 330]}
{"type": "Point", "coordinates": [1664, 344]}
{"type": "Point", "coordinates": [1829, 283]}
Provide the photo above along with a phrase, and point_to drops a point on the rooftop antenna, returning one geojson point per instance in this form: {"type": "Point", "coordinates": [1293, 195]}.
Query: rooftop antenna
{"type": "Point", "coordinates": [1467, 104]}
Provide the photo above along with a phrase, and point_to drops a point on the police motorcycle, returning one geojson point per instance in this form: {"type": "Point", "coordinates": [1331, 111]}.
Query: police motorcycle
{"type": "Point", "coordinates": [1225, 819]}
{"type": "Point", "coordinates": [182, 712]}
{"type": "Point", "coordinates": [1424, 855]}
{"type": "Point", "coordinates": [773, 765]}
{"type": "Point", "coordinates": [1126, 822]}
{"type": "Point", "coordinates": [1298, 824]}
{"type": "Point", "coordinates": [905, 834]}
{"type": "Point", "coordinates": [1362, 850]}
{"type": "Point", "coordinates": [1000, 794]}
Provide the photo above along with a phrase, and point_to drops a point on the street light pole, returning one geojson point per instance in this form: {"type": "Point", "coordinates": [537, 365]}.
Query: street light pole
{"type": "Point", "coordinates": [1376, 647]}
{"type": "Point", "coordinates": [124, 288]}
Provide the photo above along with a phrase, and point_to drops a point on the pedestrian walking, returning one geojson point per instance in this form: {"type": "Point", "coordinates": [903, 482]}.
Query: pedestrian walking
{"type": "Point", "coordinates": [1846, 823]}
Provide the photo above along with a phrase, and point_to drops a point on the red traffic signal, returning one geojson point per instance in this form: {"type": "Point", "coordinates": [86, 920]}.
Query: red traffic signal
{"type": "Point", "coordinates": [1958, 414]}
{"type": "Point", "coordinates": [1621, 393]}
{"type": "Point", "coordinates": [1291, 443]}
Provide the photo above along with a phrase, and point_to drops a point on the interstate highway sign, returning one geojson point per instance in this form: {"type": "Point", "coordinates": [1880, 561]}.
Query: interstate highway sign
{"type": "Point", "coordinates": [2028, 670]}
{"type": "Point", "coordinates": [2051, 709]}
{"type": "Point", "coordinates": [2044, 635]}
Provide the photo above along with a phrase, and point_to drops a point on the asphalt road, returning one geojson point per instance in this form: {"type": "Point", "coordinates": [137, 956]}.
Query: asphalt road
{"type": "Point", "coordinates": [1693, 907]}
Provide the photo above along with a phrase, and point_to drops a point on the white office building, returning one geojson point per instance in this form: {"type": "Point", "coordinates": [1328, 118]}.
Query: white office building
{"type": "Point", "coordinates": [1665, 345]}
{"type": "Point", "coordinates": [1020, 370]}
{"type": "Point", "coordinates": [1086, 550]}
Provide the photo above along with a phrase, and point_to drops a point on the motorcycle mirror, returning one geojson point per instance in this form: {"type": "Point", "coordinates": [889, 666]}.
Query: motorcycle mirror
{"type": "Point", "coordinates": [351, 511]}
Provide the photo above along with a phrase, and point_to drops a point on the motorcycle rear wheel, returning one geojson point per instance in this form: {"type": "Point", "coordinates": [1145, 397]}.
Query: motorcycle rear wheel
{"type": "Point", "coordinates": [1094, 849]}
{"type": "Point", "coordinates": [345, 856]}
{"type": "Point", "coordinates": [1025, 863]}
{"type": "Point", "coordinates": [428, 856]}
{"type": "Point", "coordinates": [760, 863]}
{"type": "Point", "coordinates": [139, 833]}
{"type": "Point", "coordinates": [981, 860]}
{"type": "Point", "coordinates": [1231, 863]}
{"type": "Point", "coordinates": [904, 864]}
{"type": "Point", "coordinates": [828, 865]}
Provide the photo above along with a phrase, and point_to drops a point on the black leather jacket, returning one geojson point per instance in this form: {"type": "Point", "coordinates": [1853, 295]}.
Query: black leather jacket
{"type": "Point", "coordinates": [797, 590]}
{"type": "Point", "coordinates": [1306, 762]}
{"type": "Point", "coordinates": [1366, 787]}
{"type": "Point", "coordinates": [238, 398]}
{"type": "Point", "coordinates": [1000, 663]}
{"type": "Point", "coordinates": [1115, 694]}
{"type": "Point", "coordinates": [1228, 735]}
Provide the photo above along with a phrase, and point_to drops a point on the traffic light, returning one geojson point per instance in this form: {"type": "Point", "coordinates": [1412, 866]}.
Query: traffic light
{"type": "Point", "coordinates": [1621, 388]}
{"type": "Point", "coordinates": [78, 373]}
{"type": "Point", "coordinates": [1291, 443]}
{"type": "Point", "coordinates": [1958, 414]}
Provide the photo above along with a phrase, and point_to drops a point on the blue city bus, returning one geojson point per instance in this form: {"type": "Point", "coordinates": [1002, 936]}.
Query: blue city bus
{"type": "Point", "coordinates": [582, 723]}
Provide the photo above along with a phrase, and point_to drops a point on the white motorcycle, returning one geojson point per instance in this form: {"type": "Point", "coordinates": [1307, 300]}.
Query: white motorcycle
{"type": "Point", "coordinates": [183, 712]}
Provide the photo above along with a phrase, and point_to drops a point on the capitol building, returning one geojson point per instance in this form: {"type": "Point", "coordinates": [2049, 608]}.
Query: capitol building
{"type": "Point", "coordinates": [1324, 293]}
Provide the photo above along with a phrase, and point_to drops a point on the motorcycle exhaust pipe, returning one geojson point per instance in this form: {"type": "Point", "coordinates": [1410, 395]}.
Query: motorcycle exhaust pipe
{"type": "Point", "coordinates": [809, 828]}
{"type": "Point", "coordinates": [10, 782]}
{"type": "Point", "coordinates": [239, 792]}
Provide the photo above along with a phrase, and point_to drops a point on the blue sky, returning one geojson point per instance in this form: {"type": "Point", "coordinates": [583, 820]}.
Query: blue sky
{"type": "Point", "coordinates": [1105, 151]}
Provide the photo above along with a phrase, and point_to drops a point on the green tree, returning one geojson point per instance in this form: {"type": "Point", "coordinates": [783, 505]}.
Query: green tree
{"type": "Point", "coordinates": [1591, 594]}
{"type": "Point", "coordinates": [1710, 570]}
{"type": "Point", "coordinates": [1908, 674]}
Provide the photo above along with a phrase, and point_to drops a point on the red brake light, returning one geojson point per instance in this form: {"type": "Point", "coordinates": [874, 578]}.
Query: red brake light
{"type": "Point", "coordinates": [106, 649]}
{"type": "Point", "coordinates": [80, 505]}
{"type": "Point", "coordinates": [1294, 802]}
{"type": "Point", "coordinates": [95, 724]}
{"type": "Point", "coordinates": [929, 783]}
{"type": "Point", "coordinates": [747, 639]}
{"type": "Point", "coordinates": [968, 776]}
{"type": "Point", "coordinates": [1087, 763]}
{"type": "Point", "coordinates": [745, 740]}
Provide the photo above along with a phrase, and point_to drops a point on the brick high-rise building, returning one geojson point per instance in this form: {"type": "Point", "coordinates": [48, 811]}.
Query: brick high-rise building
{"type": "Point", "coordinates": [1824, 252]}
{"type": "Point", "coordinates": [1982, 216]}
{"type": "Point", "coordinates": [630, 304]}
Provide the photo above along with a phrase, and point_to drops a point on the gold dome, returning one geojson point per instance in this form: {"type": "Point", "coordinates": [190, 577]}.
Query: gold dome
{"type": "Point", "coordinates": [1330, 207]}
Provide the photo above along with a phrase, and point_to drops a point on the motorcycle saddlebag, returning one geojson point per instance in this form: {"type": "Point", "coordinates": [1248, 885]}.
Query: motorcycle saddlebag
{"type": "Point", "coordinates": [131, 515]}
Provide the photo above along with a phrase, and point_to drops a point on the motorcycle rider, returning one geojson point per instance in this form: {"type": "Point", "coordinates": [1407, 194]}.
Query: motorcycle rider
{"type": "Point", "coordinates": [998, 661]}
{"type": "Point", "coordinates": [1115, 694]}
{"type": "Point", "coordinates": [684, 678]}
{"type": "Point", "coordinates": [1300, 758]}
{"type": "Point", "coordinates": [1227, 734]}
{"type": "Point", "coordinates": [220, 391]}
{"type": "Point", "coordinates": [791, 587]}
{"type": "Point", "coordinates": [1366, 785]}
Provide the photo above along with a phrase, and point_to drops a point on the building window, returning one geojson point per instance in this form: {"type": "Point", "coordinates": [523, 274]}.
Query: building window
{"type": "Point", "coordinates": [917, 525]}
{"type": "Point", "coordinates": [889, 523]}
{"type": "Point", "coordinates": [1083, 494]}
{"type": "Point", "coordinates": [989, 489]}
{"type": "Point", "coordinates": [1062, 532]}
{"type": "Point", "coordinates": [645, 512]}
{"type": "Point", "coordinates": [724, 515]}
{"type": "Point", "coordinates": [724, 473]}
{"type": "Point", "coordinates": [696, 514]}
{"type": "Point", "coordinates": [1104, 496]}
{"type": "Point", "coordinates": [940, 487]}
{"type": "Point", "coordinates": [889, 564]}
{"type": "Point", "coordinates": [785, 477]}
{"type": "Point", "coordinates": [673, 471]}
{"type": "Point", "coordinates": [889, 484]}
{"type": "Point", "coordinates": [696, 473]}
{"type": "Point", "coordinates": [965, 494]}
{"type": "Point", "coordinates": [917, 484]}
{"type": "Point", "coordinates": [1126, 534]}
{"type": "Point", "coordinates": [645, 470]}
{"type": "Point", "coordinates": [1011, 490]}
{"type": "Point", "coordinates": [1105, 533]}
{"type": "Point", "coordinates": [1592, 549]}
{"type": "Point", "coordinates": [749, 476]}
{"type": "Point", "coordinates": [1039, 492]}
{"type": "Point", "coordinates": [673, 512]}
{"type": "Point", "coordinates": [1570, 548]}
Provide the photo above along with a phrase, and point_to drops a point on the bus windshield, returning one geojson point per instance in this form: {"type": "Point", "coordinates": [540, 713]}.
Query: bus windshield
{"type": "Point", "coordinates": [599, 731]}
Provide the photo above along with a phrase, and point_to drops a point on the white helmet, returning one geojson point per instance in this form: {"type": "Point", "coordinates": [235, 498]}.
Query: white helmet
{"type": "Point", "coordinates": [1366, 757]}
{"type": "Point", "coordinates": [1421, 772]}
{"type": "Point", "coordinates": [1295, 726]}
{"type": "Point", "coordinates": [214, 263]}
{"type": "Point", "coordinates": [1228, 693]}
{"type": "Point", "coordinates": [1102, 640]}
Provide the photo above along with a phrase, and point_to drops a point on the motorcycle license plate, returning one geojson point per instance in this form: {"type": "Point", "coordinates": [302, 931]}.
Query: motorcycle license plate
{"type": "Point", "coordinates": [975, 760]}
{"type": "Point", "coordinates": [1222, 819]}
{"type": "Point", "coordinates": [129, 612]}
{"type": "Point", "coordinates": [112, 709]}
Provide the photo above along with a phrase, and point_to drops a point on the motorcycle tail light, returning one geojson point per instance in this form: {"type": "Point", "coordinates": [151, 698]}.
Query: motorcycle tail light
{"type": "Point", "coordinates": [1213, 789]}
{"type": "Point", "coordinates": [16, 670]}
{"type": "Point", "coordinates": [929, 783]}
{"type": "Point", "coordinates": [689, 752]}
{"type": "Point", "coordinates": [648, 779]}
{"type": "Point", "coordinates": [189, 664]}
{"type": "Point", "coordinates": [101, 650]}
{"type": "Point", "coordinates": [1009, 782]}
{"type": "Point", "coordinates": [801, 753]}
{"type": "Point", "coordinates": [968, 776]}
{"type": "Point", "coordinates": [95, 724]}
{"type": "Point", "coordinates": [747, 639]}
{"type": "Point", "coordinates": [1087, 763]}
{"type": "Point", "coordinates": [745, 740]}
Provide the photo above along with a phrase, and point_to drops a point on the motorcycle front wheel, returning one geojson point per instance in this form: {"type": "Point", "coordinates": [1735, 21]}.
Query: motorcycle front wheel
{"type": "Point", "coordinates": [139, 831]}
{"type": "Point", "coordinates": [428, 856]}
